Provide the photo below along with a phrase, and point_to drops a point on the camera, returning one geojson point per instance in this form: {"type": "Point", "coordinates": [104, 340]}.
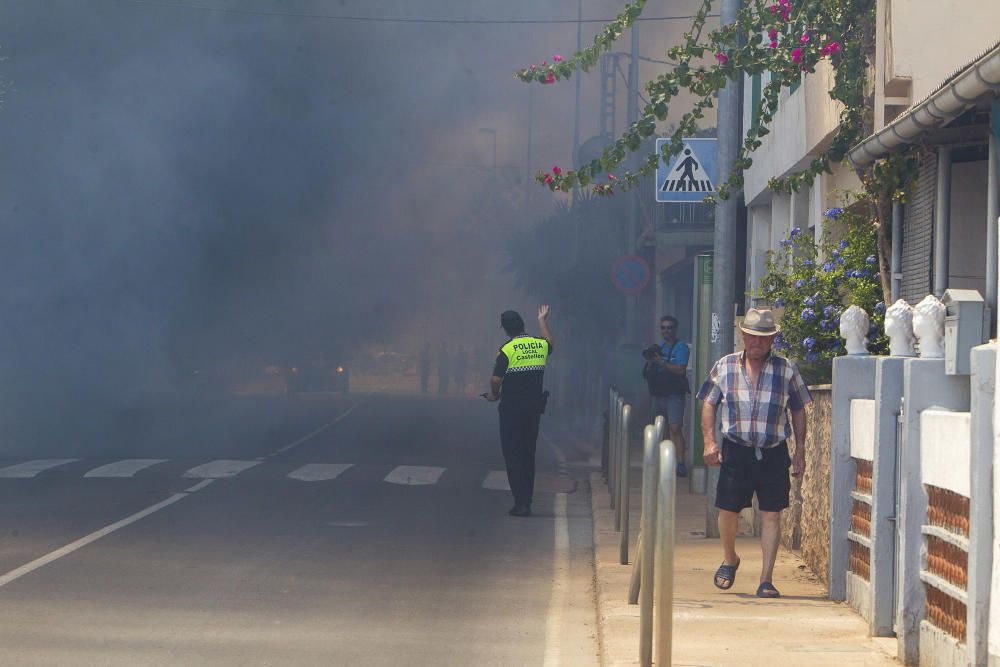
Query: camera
{"type": "Point", "coordinates": [651, 352]}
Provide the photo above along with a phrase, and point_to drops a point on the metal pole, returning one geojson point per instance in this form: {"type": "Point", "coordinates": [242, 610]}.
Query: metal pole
{"type": "Point", "coordinates": [992, 213]}
{"type": "Point", "coordinates": [623, 498]}
{"type": "Point", "coordinates": [896, 267]}
{"type": "Point", "coordinates": [632, 111]}
{"type": "Point", "coordinates": [724, 275]}
{"type": "Point", "coordinates": [942, 215]}
{"type": "Point", "coordinates": [646, 557]}
{"type": "Point", "coordinates": [660, 424]}
{"type": "Point", "coordinates": [664, 574]}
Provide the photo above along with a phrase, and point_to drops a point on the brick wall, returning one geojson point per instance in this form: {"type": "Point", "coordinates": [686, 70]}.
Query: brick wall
{"type": "Point", "coordinates": [806, 524]}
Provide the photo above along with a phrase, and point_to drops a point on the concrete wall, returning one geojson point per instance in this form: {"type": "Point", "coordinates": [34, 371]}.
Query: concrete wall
{"type": "Point", "coordinates": [806, 525]}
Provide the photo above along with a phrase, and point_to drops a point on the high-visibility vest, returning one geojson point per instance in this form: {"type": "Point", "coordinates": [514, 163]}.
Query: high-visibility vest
{"type": "Point", "coordinates": [526, 353]}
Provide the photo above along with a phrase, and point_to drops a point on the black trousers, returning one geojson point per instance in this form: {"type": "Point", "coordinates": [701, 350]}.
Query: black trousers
{"type": "Point", "coordinates": [518, 437]}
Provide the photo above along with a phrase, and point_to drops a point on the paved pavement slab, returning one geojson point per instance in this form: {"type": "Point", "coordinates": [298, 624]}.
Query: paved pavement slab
{"type": "Point", "coordinates": [714, 628]}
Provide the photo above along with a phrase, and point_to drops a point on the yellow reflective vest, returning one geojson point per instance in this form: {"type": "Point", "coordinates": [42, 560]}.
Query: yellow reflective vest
{"type": "Point", "coordinates": [526, 353]}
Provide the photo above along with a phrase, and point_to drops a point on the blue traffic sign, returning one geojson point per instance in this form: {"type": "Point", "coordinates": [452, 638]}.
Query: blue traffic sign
{"type": "Point", "coordinates": [690, 176]}
{"type": "Point", "coordinates": [630, 274]}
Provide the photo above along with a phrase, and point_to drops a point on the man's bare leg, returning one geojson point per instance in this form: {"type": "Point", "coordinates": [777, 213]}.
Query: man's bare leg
{"type": "Point", "coordinates": [770, 535]}
{"type": "Point", "coordinates": [677, 435]}
{"type": "Point", "coordinates": [728, 525]}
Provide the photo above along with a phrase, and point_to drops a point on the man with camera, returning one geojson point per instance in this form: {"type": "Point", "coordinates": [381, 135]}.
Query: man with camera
{"type": "Point", "coordinates": [665, 371]}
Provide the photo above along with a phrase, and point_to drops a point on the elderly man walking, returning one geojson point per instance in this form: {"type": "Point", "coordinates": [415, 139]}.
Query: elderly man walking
{"type": "Point", "coordinates": [756, 390]}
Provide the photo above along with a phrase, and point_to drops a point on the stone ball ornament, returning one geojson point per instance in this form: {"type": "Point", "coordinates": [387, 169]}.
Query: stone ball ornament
{"type": "Point", "coordinates": [928, 326]}
{"type": "Point", "coordinates": [899, 329]}
{"type": "Point", "coordinates": [854, 324]}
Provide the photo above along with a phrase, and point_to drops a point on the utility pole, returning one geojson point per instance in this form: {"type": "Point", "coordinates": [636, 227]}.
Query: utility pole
{"type": "Point", "coordinates": [632, 113]}
{"type": "Point", "coordinates": [730, 130]}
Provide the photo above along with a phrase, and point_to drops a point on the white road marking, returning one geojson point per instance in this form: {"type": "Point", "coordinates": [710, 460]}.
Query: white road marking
{"type": "Point", "coordinates": [319, 472]}
{"type": "Point", "coordinates": [28, 568]}
{"type": "Point", "coordinates": [414, 475]}
{"type": "Point", "coordinates": [496, 481]}
{"type": "Point", "coordinates": [220, 468]}
{"type": "Point", "coordinates": [322, 428]}
{"type": "Point", "coordinates": [32, 468]}
{"type": "Point", "coordinates": [123, 468]}
{"type": "Point", "coordinates": [560, 585]}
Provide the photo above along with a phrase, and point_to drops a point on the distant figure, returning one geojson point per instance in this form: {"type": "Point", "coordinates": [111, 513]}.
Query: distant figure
{"type": "Point", "coordinates": [444, 369]}
{"type": "Point", "coordinates": [517, 380]}
{"type": "Point", "coordinates": [459, 371]}
{"type": "Point", "coordinates": [425, 367]}
{"type": "Point", "coordinates": [665, 371]}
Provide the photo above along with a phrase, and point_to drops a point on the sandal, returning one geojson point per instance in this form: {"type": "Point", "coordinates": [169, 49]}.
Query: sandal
{"type": "Point", "coordinates": [727, 575]}
{"type": "Point", "coordinates": [767, 590]}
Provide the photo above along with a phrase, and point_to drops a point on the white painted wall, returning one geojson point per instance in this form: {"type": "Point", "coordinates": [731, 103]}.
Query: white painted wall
{"type": "Point", "coordinates": [863, 429]}
{"type": "Point", "coordinates": [944, 450]}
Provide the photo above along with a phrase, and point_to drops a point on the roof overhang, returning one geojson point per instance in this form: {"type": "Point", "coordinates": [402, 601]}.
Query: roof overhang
{"type": "Point", "coordinates": [954, 97]}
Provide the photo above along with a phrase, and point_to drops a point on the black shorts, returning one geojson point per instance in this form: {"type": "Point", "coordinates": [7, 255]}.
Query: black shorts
{"type": "Point", "coordinates": [742, 475]}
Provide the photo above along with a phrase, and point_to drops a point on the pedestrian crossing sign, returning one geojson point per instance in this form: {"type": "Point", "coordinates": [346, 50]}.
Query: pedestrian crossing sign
{"type": "Point", "coordinates": [690, 176]}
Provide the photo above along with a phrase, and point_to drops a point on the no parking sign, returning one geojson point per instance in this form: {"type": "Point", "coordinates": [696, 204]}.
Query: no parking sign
{"type": "Point", "coordinates": [630, 274]}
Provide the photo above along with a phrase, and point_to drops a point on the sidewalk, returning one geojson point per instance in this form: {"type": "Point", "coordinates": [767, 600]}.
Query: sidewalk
{"type": "Point", "coordinates": [717, 628]}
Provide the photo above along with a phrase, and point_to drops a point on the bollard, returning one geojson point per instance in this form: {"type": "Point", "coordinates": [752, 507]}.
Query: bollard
{"type": "Point", "coordinates": [616, 410]}
{"type": "Point", "coordinates": [646, 556]}
{"type": "Point", "coordinates": [624, 485]}
{"type": "Point", "coordinates": [664, 567]}
{"type": "Point", "coordinates": [660, 424]}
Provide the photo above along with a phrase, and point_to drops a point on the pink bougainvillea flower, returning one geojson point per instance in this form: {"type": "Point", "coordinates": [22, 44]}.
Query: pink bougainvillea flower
{"type": "Point", "coordinates": [612, 177]}
{"type": "Point", "coordinates": [772, 34]}
{"type": "Point", "coordinates": [833, 47]}
{"type": "Point", "coordinates": [532, 67]}
{"type": "Point", "coordinates": [804, 39]}
{"type": "Point", "coordinates": [557, 58]}
{"type": "Point", "coordinates": [774, 43]}
{"type": "Point", "coordinates": [556, 170]}
{"type": "Point", "coordinates": [551, 78]}
{"type": "Point", "coordinates": [722, 58]}
{"type": "Point", "coordinates": [797, 56]}
{"type": "Point", "coordinates": [774, 9]}
{"type": "Point", "coordinates": [547, 179]}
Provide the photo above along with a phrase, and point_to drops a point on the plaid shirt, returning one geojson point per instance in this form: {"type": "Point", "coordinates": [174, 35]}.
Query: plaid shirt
{"type": "Point", "coordinates": [755, 417]}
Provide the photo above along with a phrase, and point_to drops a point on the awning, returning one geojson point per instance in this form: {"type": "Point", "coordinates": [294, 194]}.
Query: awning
{"type": "Point", "coordinates": [955, 96]}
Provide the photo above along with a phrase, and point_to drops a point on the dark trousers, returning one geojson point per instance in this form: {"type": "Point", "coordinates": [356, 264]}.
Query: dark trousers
{"type": "Point", "coordinates": [518, 435]}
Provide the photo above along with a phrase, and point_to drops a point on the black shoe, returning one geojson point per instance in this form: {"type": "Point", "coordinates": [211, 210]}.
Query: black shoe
{"type": "Point", "coordinates": [520, 510]}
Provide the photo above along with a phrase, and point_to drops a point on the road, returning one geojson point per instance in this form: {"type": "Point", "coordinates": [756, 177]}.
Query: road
{"type": "Point", "coordinates": [294, 530]}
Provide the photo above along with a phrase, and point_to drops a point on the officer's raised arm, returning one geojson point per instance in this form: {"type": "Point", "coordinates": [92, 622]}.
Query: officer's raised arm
{"type": "Point", "coordinates": [543, 322]}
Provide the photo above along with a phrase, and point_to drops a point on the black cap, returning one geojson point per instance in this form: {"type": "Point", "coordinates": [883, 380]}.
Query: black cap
{"type": "Point", "coordinates": [511, 319]}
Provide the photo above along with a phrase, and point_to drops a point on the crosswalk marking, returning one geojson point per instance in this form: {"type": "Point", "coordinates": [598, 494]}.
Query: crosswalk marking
{"type": "Point", "coordinates": [496, 481]}
{"type": "Point", "coordinates": [219, 469]}
{"type": "Point", "coordinates": [32, 468]}
{"type": "Point", "coordinates": [319, 472]}
{"type": "Point", "coordinates": [414, 475]}
{"type": "Point", "coordinates": [123, 468]}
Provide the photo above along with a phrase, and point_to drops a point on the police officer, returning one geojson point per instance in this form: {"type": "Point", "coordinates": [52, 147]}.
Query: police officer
{"type": "Point", "coordinates": [519, 370]}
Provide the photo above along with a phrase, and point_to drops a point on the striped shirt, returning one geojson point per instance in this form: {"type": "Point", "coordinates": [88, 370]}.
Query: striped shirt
{"type": "Point", "coordinates": [755, 416]}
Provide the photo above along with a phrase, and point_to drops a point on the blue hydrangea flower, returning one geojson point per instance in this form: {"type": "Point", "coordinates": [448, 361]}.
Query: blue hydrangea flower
{"type": "Point", "coordinates": [870, 259]}
{"type": "Point", "coordinates": [808, 315]}
{"type": "Point", "coordinates": [833, 213]}
{"type": "Point", "coordinates": [811, 357]}
{"type": "Point", "coordinates": [795, 232]}
{"type": "Point", "coordinates": [786, 243]}
{"type": "Point", "coordinates": [807, 262]}
{"type": "Point", "coordinates": [828, 267]}
{"type": "Point", "coordinates": [880, 307]}
{"type": "Point", "coordinates": [809, 342]}
{"type": "Point", "coordinates": [800, 283]}
{"type": "Point", "coordinates": [810, 301]}
{"type": "Point", "coordinates": [830, 311]}
{"type": "Point", "coordinates": [824, 325]}
{"type": "Point", "coordinates": [779, 303]}
{"type": "Point", "coordinates": [843, 244]}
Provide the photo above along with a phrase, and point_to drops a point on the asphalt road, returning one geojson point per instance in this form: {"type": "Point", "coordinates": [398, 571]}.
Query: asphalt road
{"type": "Point", "coordinates": [293, 530]}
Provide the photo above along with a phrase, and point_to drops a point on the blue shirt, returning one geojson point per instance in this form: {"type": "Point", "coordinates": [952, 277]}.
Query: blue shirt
{"type": "Point", "coordinates": [679, 355]}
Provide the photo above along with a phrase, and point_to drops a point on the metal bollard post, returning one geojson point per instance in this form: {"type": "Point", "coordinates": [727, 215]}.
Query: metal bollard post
{"type": "Point", "coordinates": [664, 574]}
{"type": "Point", "coordinates": [624, 484]}
{"type": "Point", "coordinates": [647, 556]}
{"type": "Point", "coordinates": [660, 424]}
{"type": "Point", "coordinates": [613, 417]}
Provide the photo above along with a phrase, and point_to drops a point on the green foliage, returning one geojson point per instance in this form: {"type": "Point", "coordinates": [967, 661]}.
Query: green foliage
{"type": "Point", "coordinates": [799, 34]}
{"type": "Point", "coordinates": [813, 292]}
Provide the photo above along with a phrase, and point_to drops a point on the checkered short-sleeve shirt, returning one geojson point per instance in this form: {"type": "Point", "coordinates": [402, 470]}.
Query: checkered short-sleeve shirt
{"type": "Point", "coordinates": [755, 416]}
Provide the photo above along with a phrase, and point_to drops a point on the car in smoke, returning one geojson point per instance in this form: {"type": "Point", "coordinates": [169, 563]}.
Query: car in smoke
{"type": "Point", "coordinates": [317, 375]}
